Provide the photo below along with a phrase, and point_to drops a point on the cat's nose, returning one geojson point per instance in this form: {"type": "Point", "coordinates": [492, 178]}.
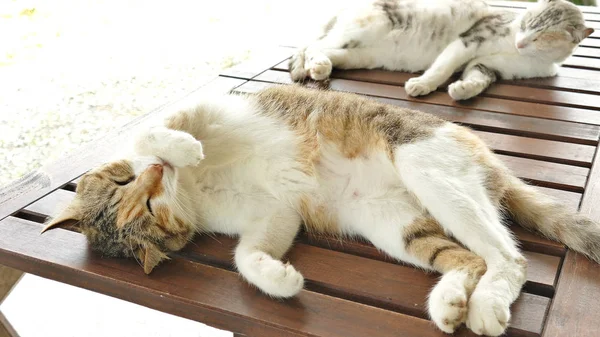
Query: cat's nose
{"type": "Point", "coordinates": [521, 44]}
{"type": "Point", "coordinates": [157, 168]}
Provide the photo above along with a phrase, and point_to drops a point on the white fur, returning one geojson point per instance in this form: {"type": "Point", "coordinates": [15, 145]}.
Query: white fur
{"type": "Point", "coordinates": [414, 49]}
{"type": "Point", "coordinates": [255, 193]}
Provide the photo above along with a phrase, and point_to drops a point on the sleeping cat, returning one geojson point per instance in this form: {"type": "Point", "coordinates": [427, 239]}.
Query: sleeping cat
{"type": "Point", "coordinates": [423, 190]}
{"type": "Point", "coordinates": [441, 37]}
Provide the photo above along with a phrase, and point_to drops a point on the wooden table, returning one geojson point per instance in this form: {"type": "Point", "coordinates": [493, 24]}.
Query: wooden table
{"type": "Point", "coordinates": [546, 130]}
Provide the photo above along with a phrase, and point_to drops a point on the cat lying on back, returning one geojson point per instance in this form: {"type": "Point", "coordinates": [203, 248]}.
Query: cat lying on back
{"type": "Point", "coordinates": [423, 190]}
{"type": "Point", "coordinates": [441, 37]}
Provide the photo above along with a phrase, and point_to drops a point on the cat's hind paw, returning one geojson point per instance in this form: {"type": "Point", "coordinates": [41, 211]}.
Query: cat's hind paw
{"type": "Point", "coordinates": [489, 314]}
{"type": "Point", "coordinates": [271, 276]}
{"type": "Point", "coordinates": [417, 86]}
{"type": "Point", "coordinates": [461, 90]}
{"type": "Point", "coordinates": [448, 304]}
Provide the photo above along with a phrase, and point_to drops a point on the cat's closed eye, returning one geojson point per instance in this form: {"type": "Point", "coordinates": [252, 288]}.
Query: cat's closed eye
{"type": "Point", "coordinates": [149, 206]}
{"type": "Point", "coordinates": [123, 182]}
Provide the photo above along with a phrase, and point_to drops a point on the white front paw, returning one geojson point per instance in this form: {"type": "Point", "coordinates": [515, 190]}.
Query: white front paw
{"type": "Point", "coordinates": [319, 67]}
{"type": "Point", "coordinates": [448, 305]}
{"type": "Point", "coordinates": [461, 90]}
{"type": "Point", "coordinates": [189, 151]}
{"type": "Point", "coordinates": [489, 314]}
{"type": "Point", "coordinates": [417, 86]}
{"type": "Point", "coordinates": [272, 276]}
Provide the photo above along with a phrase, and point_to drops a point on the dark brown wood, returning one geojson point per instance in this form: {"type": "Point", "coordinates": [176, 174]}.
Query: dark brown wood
{"type": "Point", "coordinates": [196, 291]}
{"type": "Point", "coordinates": [356, 81]}
{"type": "Point", "coordinates": [373, 282]}
{"type": "Point", "coordinates": [6, 329]}
{"type": "Point", "coordinates": [578, 288]}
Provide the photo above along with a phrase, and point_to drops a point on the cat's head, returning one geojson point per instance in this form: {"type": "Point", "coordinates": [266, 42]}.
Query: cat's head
{"type": "Point", "coordinates": [551, 29]}
{"type": "Point", "coordinates": [129, 208]}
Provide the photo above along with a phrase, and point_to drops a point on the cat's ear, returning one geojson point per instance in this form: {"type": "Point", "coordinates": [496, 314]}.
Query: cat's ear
{"type": "Point", "coordinates": [580, 32]}
{"type": "Point", "coordinates": [150, 256]}
{"type": "Point", "coordinates": [68, 219]}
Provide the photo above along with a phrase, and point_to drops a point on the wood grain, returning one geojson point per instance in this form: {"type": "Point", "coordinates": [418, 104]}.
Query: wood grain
{"type": "Point", "coordinates": [196, 291]}
{"type": "Point", "coordinates": [8, 279]}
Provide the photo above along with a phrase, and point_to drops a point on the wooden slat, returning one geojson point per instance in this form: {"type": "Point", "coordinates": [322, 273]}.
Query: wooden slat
{"type": "Point", "coordinates": [192, 290]}
{"type": "Point", "coordinates": [506, 89]}
{"type": "Point", "coordinates": [572, 154]}
{"type": "Point", "coordinates": [441, 98]}
{"type": "Point", "coordinates": [377, 283]}
{"type": "Point", "coordinates": [582, 62]}
{"type": "Point", "coordinates": [588, 52]}
{"type": "Point", "coordinates": [578, 287]}
{"type": "Point", "coordinates": [487, 121]}
{"type": "Point", "coordinates": [547, 174]}
{"type": "Point", "coordinates": [37, 184]}
{"type": "Point", "coordinates": [535, 243]}
{"type": "Point", "coordinates": [541, 273]}
{"type": "Point", "coordinates": [570, 199]}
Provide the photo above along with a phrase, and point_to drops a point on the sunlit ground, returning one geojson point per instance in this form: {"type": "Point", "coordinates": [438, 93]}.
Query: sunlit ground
{"type": "Point", "coordinates": [71, 70]}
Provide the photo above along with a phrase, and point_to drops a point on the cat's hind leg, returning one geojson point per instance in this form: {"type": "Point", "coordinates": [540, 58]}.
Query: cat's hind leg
{"type": "Point", "coordinates": [475, 79]}
{"type": "Point", "coordinates": [447, 174]}
{"type": "Point", "coordinates": [342, 45]}
{"type": "Point", "coordinates": [451, 59]}
{"type": "Point", "coordinates": [421, 241]}
{"type": "Point", "coordinates": [260, 248]}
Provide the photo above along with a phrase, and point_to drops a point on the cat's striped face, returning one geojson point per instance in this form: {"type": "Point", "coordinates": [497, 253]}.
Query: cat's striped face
{"type": "Point", "coordinates": [125, 210]}
{"type": "Point", "coordinates": [551, 29]}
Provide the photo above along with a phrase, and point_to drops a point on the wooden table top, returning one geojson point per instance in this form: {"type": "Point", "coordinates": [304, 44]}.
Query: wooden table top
{"type": "Point", "coordinates": [546, 130]}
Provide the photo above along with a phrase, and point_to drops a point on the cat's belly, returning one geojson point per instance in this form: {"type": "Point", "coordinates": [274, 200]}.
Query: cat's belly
{"type": "Point", "coordinates": [364, 195]}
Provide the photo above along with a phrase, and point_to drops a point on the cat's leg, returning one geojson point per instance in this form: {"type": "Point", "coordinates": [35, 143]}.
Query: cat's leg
{"type": "Point", "coordinates": [451, 188]}
{"type": "Point", "coordinates": [475, 79]}
{"type": "Point", "coordinates": [423, 242]}
{"type": "Point", "coordinates": [178, 148]}
{"type": "Point", "coordinates": [260, 248]}
{"type": "Point", "coordinates": [451, 59]}
{"type": "Point", "coordinates": [341, 46]}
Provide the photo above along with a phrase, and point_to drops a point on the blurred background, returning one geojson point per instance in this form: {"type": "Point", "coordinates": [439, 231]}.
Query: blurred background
{"type": "Point", "coordinates": [71, 70]}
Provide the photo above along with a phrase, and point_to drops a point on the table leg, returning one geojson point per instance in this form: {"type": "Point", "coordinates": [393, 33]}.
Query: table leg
{"type": "Point", "coordinates": [8, 278]}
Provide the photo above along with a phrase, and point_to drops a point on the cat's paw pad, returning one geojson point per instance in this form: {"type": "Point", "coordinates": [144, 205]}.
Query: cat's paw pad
{"type": "Point", "coordinates": [319, 67]}
{"type": "Point", "coordinates": [461, 90]}
{"type": "Point", "coordinates": [448, 306]}
{"type": "Point", "coordinates": [272, 276]}
{"type": "Point", "coordinates": [489, 314]}
{"type": "Point", "coordinates": [417, 86]}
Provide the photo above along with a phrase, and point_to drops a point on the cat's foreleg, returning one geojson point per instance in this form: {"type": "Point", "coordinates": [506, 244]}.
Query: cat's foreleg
{"type": "Point", "coordinates": [260, 248]}
{"type": "Point", "coordinates": [178, 148]}
{"type": "Point", "coordinates": [475, 79]}
{"type": "Point", "coordinates": [451, 59]}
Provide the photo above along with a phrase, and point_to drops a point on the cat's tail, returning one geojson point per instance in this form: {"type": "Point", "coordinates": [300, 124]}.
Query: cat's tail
{"type": "Point", "coordinates": [535, 211]}
{"type": "Point", "coordinates": [296, 66]}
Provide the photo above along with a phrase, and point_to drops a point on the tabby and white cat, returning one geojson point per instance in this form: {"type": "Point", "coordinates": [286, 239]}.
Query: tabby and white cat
{"type": "Point", "coordinates": [441, 37]}
{"type": "Point", "coordinates": [423, 190]}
